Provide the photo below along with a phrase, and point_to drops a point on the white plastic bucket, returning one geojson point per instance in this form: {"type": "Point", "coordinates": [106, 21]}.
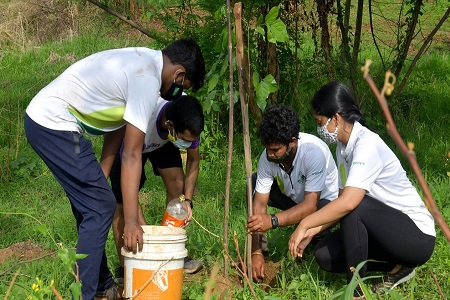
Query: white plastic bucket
{"type": "Point", "coordinates": [156, 273]}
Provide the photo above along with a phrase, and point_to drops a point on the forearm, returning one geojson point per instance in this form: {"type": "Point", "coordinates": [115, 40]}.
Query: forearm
{"type": "Point", "coordinates": [294, 215]}
{"type": "Point", "coordinates": [256, 242]}
{"type": "Point", "coordinates": [111, 146]}
{"type": "Point", "coordinates": [130, 178]}
{"type": "Point", "coordinates": [192, 168]}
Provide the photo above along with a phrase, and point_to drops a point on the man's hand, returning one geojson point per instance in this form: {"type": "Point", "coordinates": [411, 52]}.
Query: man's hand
{"type": "Point", "coordinates": [189, 215]}
{"type": "Point", "coordinates": [133, 239]}
{"type": "Point", "coordinates": [259, 223]}
{"type": "Point", "coordinates": [258, 266]}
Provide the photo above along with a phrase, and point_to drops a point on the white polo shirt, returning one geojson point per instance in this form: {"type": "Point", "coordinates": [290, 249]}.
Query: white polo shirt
{"type": "Point", "coordinates": [314, 170]}
{"type": "Point", "coordinates": [102, 92]}
{"type": "Point", "coordinates": [368, 163]}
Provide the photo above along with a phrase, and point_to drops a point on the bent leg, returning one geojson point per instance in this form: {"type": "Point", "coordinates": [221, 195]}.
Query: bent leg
{"type": "Point", "coordinates": [374, 230]}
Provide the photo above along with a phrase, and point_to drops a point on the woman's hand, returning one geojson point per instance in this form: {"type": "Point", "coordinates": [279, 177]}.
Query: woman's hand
{"type": "Point", "coordinates": [300, 239]}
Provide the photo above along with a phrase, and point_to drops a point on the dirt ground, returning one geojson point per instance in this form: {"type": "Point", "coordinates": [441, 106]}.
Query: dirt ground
{"type": "Point", "coordinates": [22, 251]}
{"type": "Point", "coordinates": [27, 250]}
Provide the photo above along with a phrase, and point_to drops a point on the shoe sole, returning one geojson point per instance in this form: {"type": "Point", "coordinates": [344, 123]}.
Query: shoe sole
{"type": "Point", "coordinates": [404, 279]}
{"type": "Point", "coordinates": [192, 271]}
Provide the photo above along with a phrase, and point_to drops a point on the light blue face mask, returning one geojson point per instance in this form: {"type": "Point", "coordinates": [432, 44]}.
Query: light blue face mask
{"type": "Point", "coordinates": [179, 143]}
{"type": "Point", "coordinates": [182, 144]}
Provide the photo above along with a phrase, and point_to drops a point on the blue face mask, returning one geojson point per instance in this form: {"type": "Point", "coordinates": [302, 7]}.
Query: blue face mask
{"type": "Point", "coordinates": [179, 143]}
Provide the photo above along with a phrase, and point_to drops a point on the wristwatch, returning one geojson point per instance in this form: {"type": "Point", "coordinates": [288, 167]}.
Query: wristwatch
{"type": "Point", "coordinates": [274, 221]}
{"type": "Point", "coordinates": [190, 202]}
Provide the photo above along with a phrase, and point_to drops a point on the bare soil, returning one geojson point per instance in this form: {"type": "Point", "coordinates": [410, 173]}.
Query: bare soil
{"type": "Point", "coordinates": [223, 287]}
{"type": "Point", "coordinates": [22, 251]}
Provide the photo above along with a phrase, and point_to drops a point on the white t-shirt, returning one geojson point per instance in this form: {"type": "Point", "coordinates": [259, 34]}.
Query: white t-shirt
{"type": "Point", "coordinates": [368, 163]}
{"type": "Point", "coordinates": [314, 170]}
{"type": "Point", "coordinates": [102, 92]}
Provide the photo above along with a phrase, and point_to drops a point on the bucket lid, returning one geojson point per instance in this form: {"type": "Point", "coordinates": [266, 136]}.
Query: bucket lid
{"type": "Point", "coordinates": [157, 234]}
{"type": "Point", "coordinates": [155, 255]}
{"type": "Point", "coordinates": [163, 230]}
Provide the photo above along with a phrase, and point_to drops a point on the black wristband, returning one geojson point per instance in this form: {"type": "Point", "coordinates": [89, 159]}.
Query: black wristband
{"type": "Point", "coordinates": [274, 221]}
{"type": "Point", "coordinates": [190, 202]}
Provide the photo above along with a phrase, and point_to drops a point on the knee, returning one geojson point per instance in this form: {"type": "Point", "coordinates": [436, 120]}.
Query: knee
{"type": "Point", "coordinates": [323, 258]}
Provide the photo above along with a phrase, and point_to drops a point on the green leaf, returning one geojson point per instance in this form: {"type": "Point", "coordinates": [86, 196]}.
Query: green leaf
{"type": "Point", "coordinates": [80, 256]}
{"type": "Point", "coordinates": [75, 288]}
{"type": "Point", "coordinates": [272, 15]}
{"type": "Point", "coordinates": [212, 83]}
{"type": "Point", "coordinates": [263, 89]}
{"type": "Point", "coordinates": [42, 229]}
{"type": "Point", "coordinates": [277, 32]}
{"type": "Point", "coordinates": [255, 79]}
{"type": "Point", "coordinates": [63, 255]}
{"type": "Point", "coordinates": [261, 31]}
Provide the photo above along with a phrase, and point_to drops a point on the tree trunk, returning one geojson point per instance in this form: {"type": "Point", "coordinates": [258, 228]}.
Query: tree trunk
{"type": "Point", "coordinates": [403, 49]}
{"type": "Point", "coordinates": [423, 49]}
{"type": "Point", "coordinates": [358, 27]}
{"type": "Point", "coordinates": [323, 9]}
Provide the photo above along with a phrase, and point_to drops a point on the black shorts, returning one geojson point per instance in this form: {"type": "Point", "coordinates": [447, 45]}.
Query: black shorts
{"type": "Point", "coordinates": [168, 156]}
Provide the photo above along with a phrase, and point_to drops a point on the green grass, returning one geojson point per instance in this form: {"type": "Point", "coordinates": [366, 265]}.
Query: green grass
{"type": "Point", "coordinates": [422, 114]}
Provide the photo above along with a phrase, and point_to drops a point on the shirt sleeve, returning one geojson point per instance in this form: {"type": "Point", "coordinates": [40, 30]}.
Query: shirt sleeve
{"type": "Point", "coordinates": [195, 144]}
{"type": "Point", "coordinates": [142, 97]}
{"type": "Point", "coordinates": [264, 179]}
{"type": "Point", "coordinates": [365, 166]}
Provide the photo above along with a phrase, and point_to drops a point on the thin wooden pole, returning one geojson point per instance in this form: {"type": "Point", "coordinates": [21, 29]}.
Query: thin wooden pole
{"type": "Point", "coordinates": [245, 124]}
{"type": "Point", "coordinates": [230, 142]}
{"type": "Point", "coordinates": [407, 150]}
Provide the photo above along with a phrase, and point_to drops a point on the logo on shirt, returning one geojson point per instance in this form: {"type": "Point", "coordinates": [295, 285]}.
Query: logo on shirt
{"type": "Point", "coordinates": [301, 178]}
{"type": "Point", "coordinates": [358, 163]}
{"type": "Point", "coordinates": [152, 145]}
{"type": "Point", "coordinates": [317, 173]}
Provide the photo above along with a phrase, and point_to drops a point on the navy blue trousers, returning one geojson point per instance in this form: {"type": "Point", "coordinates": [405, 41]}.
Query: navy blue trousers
{"type": "Point", "coordinates": [71, 159]}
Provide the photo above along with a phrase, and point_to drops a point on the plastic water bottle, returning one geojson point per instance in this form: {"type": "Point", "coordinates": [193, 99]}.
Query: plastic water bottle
{"type": "Point", "coordinates": [176, 212]}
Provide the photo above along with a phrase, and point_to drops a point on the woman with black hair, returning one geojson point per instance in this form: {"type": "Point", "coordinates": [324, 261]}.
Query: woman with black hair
{"type": "Point", "coordinates": [380, 213]}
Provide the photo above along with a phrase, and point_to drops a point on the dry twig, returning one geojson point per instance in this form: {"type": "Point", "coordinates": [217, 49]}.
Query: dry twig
{"type": "Point", "coordinates": [408, 151]}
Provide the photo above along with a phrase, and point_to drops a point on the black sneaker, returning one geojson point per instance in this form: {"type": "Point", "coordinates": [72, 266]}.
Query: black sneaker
{"type": "Point", "coordinates": [192, 266]}
{"type": "Point", "coordinates": [119, 275]}
{"type": "Point", "coordinates": [110, 293]}
{"type": "Point", "coordinates": [390, 281]}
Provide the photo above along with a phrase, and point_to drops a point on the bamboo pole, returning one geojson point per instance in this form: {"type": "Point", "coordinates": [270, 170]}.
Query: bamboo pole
{"type": "Point", "coordinates": [230, 143]}
{"type": "Point", "coordinates": [407, 150]}
{"type": "Point", "coordinates": [245, 123]}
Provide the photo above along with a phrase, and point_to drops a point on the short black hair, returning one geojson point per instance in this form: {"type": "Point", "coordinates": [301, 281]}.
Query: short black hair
{"type": "Point", "coordinates": [335, 98]}
{"type": "Point", "coordinates": [187, 52]}
{"type": "Point", "coordinates": [186, 113]}
{"type": "Point", "coordinates": [279, 124]}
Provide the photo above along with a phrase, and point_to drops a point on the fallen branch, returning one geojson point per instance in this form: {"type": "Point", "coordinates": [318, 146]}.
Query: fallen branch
{"type": "Point", "coordinates": [132, 23]}
{"type": "Point", "coordinates": [27, 261]}
{"type": "Point", "coordinates": [408, 151]}
{"type": "Point", "coordinates": [438, 286]}
{"type": "Point", "coordinates": [12, 283]}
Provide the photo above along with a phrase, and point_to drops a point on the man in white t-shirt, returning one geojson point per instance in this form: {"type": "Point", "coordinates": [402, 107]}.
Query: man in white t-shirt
{"type": "Point", "coordinates": [296, 174]}
{"type": "Point", "coordinates": [111, 93]}
{"type": "Point", "coordinates": [182, 118]}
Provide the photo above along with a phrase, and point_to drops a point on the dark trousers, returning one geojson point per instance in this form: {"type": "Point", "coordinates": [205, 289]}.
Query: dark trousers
{"type": "Point", "coordinates": [71, 159]}
{"type": "Point", "coordinates": [168, 156]}
{"type": "Point", "coordinates": [375, 231]}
